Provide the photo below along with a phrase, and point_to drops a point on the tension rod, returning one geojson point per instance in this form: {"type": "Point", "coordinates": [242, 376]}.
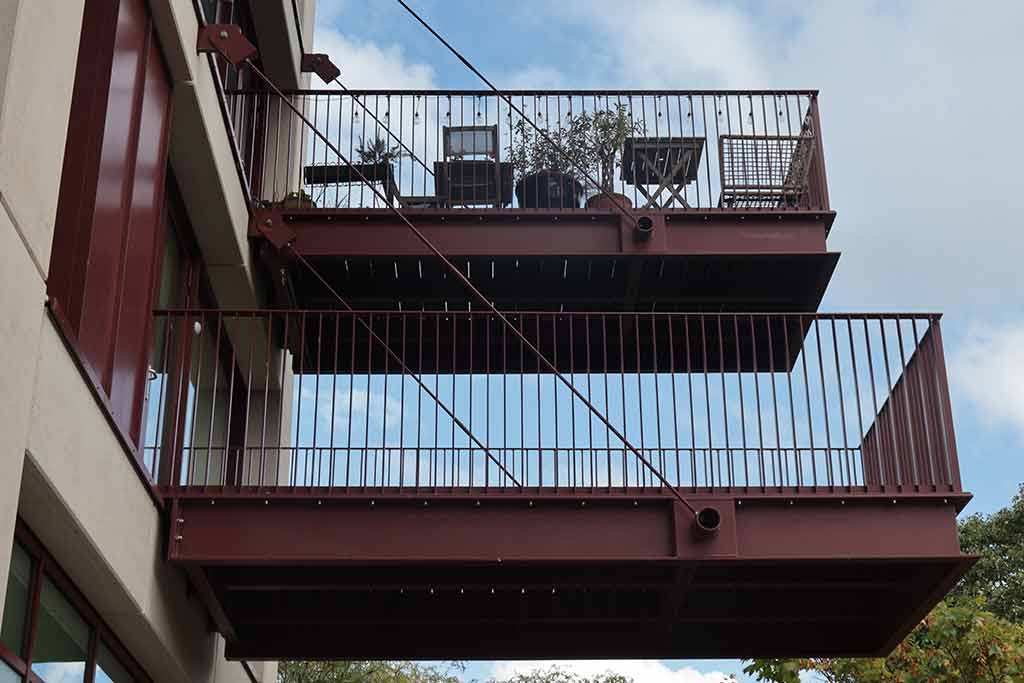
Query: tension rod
{"type": "Point", "coordinates": [397, 139]}
{"type": "Point", "coordinates": [454, 270]}
{"type": "Point", "coordinates": [540, 131]}
{"type": "Point", "coordinates": [405, 368]}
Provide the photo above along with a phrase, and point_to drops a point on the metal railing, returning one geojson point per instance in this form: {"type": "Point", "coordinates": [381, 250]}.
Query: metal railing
{"type": "Point", "coordinates": [771, 403]}
{"type": "Point", "coordinates": [663, 150]}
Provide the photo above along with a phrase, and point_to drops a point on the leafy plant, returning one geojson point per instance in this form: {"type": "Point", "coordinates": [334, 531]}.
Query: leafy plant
{"type": "Point", "coordinates": [609, 130]}
{"type": "Point", "coordinates": [589, 142]}
{"type": "Point", "coordinates": [368, 672]}
{"type": "Point", "coordinates": [415, 672]}
{"type": "Point", "coordinates": [954, 643]}
{"type": "Point", "coordinates": [378, 151]}
{"type": "Point", "coordinates": [977, 634]}
{"type": "Point", "coordinates": [998, 577]}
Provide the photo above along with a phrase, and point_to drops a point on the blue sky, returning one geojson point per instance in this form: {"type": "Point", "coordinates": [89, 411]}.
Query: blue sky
{"type": "Point", "coordinates": [923, 142]}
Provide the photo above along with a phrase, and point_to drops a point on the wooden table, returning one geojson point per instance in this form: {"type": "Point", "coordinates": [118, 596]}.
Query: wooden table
{"type": "Point", "coordinates": [670, 163]}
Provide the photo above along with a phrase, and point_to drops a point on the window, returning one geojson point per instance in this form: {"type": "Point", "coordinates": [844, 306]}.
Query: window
{"type": "Point", "coordinates": [49, 631]}
{"type": "Point", "coordinates": [109, 669]}
{"type": "Point", "coordinates": [12, 633]}
{"type": "Point", "coordinates": [62, 638]}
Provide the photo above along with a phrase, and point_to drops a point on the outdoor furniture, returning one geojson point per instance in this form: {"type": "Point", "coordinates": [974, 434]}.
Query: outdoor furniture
{"type": "Point", "coordinates": [325, 175]}
{"type": "Point", "coordinates": [471, 172]}
{"type": "Point", "coordinates": [668, 163]}
{"type": "Point", "coordinates": [465, 182]}
{"type": "Point", "coordinates": [764, 171]}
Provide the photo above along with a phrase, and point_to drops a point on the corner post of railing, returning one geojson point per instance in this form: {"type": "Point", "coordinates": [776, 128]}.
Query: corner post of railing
{"type": "Point", "coordinates": [819, 155]}
{"type": "Point", "coordinates": [945, 406]}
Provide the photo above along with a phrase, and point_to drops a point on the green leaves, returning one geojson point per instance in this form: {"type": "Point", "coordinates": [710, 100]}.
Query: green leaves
{"type": "Point", "coordinates": [589, 141]}
{"type": "Point", "coordinates": [976, 635]}
{"type": "Point", "coordinates": [998, 577]}
{"type": "Point", "coordinates": [368, 672]}
{"type": "Point", "coordinates": [414, 672]}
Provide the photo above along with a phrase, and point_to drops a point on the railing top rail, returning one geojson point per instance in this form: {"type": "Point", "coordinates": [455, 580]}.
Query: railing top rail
{"type": "Point", "coordinates": [924, 315]}
{"type": "Point", "coordinates": [536, 93]}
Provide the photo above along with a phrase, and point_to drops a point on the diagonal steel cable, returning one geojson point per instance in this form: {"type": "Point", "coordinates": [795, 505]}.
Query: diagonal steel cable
{"type": "Point", "coordinates": [405, 368]}
{"type": "Point", "coordinates": [540, 131]}
{"type": "Point", "coordinates": [454, 270]}
{"type": "Point", "coordinates": [355, 98]}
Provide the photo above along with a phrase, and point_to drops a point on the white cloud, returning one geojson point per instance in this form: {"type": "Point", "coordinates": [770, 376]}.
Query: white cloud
{"type": "Point", "coordinates": [919, 118]}
{"type": "Point", "coordinates": [366, 65]}
{"type": "Point", "coordinates": [669, 43]}
{"type": "Point", "coordinates": [533, 77]}
{"type": "Point", "coordinates": [639, 670]}
{"type": "Point", "coordinates": [989, 369]}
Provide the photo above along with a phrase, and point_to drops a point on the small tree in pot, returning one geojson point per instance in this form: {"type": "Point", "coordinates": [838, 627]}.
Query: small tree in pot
{"type": "Point", "coordinates": [548, 169]}
{"type": "Point", "coordinates": [545, 168]}
{"type": "Point", "coordinates": [608, 131]}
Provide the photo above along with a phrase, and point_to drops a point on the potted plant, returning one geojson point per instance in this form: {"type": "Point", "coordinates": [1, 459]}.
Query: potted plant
{"type": "Point", "coordinates": [375, 160]}
{"type": "Point", "coordinates": [547, 169]}
{"type": "Point", "coordinates": [608, 131]}
{"type": "Point", "coordinates": [544, 168]}
{"type": "Point", "coordinates": [378, 152]}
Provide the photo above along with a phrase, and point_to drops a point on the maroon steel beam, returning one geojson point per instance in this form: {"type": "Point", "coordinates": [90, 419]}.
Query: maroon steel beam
{"type": "Point", "coordinates": [354, 232]}
{"type": "Point", "coordinates": [556, 529]}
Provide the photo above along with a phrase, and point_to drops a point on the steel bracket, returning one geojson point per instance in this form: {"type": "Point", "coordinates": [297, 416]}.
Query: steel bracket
{"type": "Point", "coordinates": [321, 65]}
{"type": "Point", "coordinates": [227, 40]}
{"type": "Point", "coordinates": [270, 224]}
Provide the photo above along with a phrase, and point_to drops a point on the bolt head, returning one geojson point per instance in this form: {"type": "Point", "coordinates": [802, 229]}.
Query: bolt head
{"type": "Point", "coordinates": [223, 35]}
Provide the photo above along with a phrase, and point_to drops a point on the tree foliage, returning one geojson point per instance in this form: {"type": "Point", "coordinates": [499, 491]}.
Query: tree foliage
{"type": "Point", "coordinates": [998, 577]}
{"type": "Point", "coordinates": [977, 634]}
{"type": "Point", "coordinates": [368, 672]}
{"type": "Point", "coordinates": [558, 675]}
{"type": "Point", "coordinates": [956, 643]}
{"type": "Point", "coordinates": [415, 672]}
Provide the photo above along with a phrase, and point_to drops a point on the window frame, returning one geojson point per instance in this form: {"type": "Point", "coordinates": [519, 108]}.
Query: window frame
{"type": "Point", "coordinates": [44, 565]}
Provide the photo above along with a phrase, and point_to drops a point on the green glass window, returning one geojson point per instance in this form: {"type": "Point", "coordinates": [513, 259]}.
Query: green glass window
{"type": "Point", "coordinates": [109, 669]}
{"type": "Point", "coordinates": [12, 633]}
{"type": "Point", "coordinates": [62, 638]}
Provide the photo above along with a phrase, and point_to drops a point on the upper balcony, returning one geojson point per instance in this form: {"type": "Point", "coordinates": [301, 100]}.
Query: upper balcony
{"type": "Point", "coordinates": [562, 200]}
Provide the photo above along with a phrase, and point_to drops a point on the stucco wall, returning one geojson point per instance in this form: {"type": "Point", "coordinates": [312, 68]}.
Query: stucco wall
{"type": "Point", "coordinates": [61, 466]}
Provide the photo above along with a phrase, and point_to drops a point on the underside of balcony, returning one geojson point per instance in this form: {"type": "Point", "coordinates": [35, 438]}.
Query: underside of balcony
{"type": "Point", "coordinates": [589, 576]}
{"type": "Point", "coordinates": [555, 261]}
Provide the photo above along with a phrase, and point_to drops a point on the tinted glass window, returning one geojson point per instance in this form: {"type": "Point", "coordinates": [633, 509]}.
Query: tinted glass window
{"type": "Point", "coordinates": [62, 639]}
{"type": "Point", "coordinates": [12, 634]}
{"type": "Point", "coordinates": [109, 669]}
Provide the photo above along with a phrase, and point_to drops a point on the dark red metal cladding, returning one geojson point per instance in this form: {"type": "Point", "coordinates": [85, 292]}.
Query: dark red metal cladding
{"type": "Point", "coordinates": [321, 65]}
{"type": "Point", "coordinates": [432, 571]}
{"type": "Point", "coordinates": [110, 213]}
{"type": "Point", "coordinates": [496, 232]}
{"type": "Point", "coordinates": [227, 40]}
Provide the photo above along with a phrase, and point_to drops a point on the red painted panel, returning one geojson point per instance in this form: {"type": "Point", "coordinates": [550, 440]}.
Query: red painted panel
{"type": "Point", "coordinates": [109, 218]}
{"type": "Point", "coordinates": [65, 282]}
{"type": "Point", "coordinates": [249, 531]}
{"type": "Point", "coordinates": [858, 529]}
{"type": "Point", "coordinates": [145, 232]}
{"type": "Point", "coordinates": [103, 269]}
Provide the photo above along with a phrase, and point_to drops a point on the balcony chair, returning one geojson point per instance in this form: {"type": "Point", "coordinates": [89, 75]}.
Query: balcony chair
{"type": "Point", "coordinates": [472, 173]}
{"type": "Point", "coordinates": [764, 171]}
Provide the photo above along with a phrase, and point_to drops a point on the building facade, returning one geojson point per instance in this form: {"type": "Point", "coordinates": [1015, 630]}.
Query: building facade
{"type": "Point", "coordinates": [307, 372]}
{"type": "Point", "coordinates": [119, 189]}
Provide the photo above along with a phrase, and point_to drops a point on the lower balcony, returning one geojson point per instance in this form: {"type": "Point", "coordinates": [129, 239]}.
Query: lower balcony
{"type": "Point", "coordinates": [336, 476]}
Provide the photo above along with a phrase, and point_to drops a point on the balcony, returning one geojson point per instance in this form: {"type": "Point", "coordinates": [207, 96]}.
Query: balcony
{"type": "Point", "coordinates": [733, 184]}
{"type": "Point", "coordinates": [410, 471]}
